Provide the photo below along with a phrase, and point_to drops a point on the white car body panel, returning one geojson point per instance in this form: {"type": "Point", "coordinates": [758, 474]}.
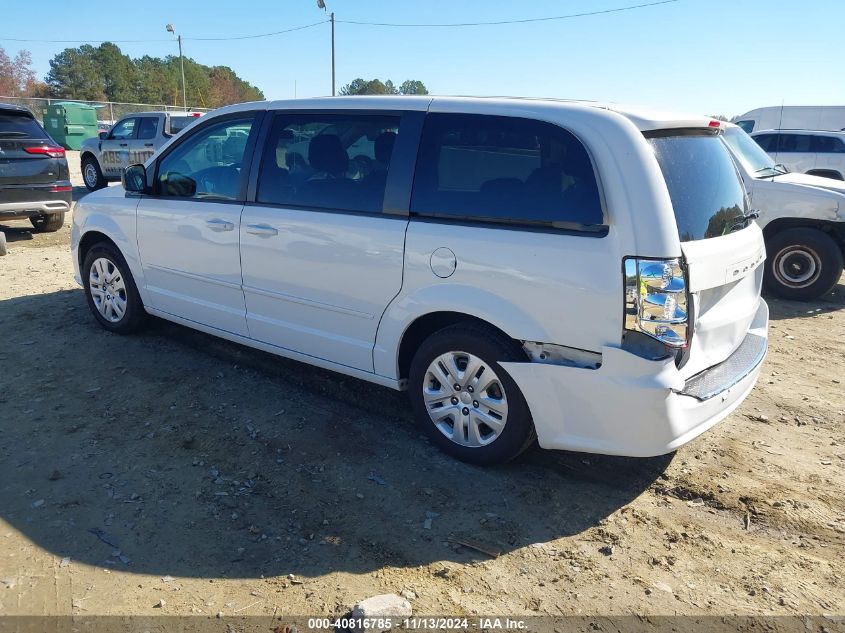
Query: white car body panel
{"type": "Point", "coordinates": [191, 258]}
{"type": "Point", "coordinates": [831, 118]}
{"type": "Point", "coordinates": [320, 285]}
{"type": "Point", "coordinates": [340, 290]}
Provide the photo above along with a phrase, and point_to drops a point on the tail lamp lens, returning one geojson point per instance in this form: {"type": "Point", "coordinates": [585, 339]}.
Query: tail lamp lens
{"type": "Point", "coordinates": [656, 300]}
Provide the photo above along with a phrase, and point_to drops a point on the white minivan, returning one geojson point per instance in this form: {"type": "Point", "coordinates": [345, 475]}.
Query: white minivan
{"type": "Point", "coordinates": [584, 274]}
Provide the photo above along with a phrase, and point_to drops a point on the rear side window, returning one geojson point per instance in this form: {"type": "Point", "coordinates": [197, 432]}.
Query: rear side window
{"type": "Point", "coordinates": [705, 188]}
{"type": "Point", "coordinates": [827, 145]}
{"type": "Point", "coordinates": [148, 127]}
{"type": "Point", "coordinates": [793, 143]}
{"type": "Point", "coordinates": [328, 161]}
{"type": "Point", "coordinates": [20, 126]}
{"type": "Point", "coordinates": [504, 169]}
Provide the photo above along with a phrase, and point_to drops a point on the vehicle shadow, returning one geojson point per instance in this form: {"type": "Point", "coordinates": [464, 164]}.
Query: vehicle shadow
{"type": "Point", "coordinates": [16, 231]}
{"type": "Point", "coordinates": [783, 309]}
{"type": "Point", "coordinates": [173, 452]}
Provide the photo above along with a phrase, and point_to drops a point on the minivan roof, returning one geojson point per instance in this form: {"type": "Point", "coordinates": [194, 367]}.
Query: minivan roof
{"type": "Point", "coordinates": [643, 118]}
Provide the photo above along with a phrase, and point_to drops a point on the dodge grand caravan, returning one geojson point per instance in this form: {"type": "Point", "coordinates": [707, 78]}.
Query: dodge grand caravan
{"type": "Point", "coordinates": [587, 275]}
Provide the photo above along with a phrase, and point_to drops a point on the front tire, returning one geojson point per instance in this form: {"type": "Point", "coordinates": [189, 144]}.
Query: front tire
{"type": "Point", "coordinates": [110, 290]}
{"type": "Point", "coordinates": [49, 223]}
{"type": "Point", "coordinates": [92, 175]}
{"type": "Point", "coordinates": [464, 400]}
{"type": "Point", "coordinates": [803, 264]}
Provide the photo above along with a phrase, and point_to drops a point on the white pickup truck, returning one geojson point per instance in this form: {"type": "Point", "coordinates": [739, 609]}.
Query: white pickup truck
{"type": "Point", "coordinates": [802, 216]}
{"type": "Point", "coordinates": [133, 139]}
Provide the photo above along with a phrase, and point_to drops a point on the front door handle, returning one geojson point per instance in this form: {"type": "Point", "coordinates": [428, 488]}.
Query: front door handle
{"type": "Point", "coordinates": [219, 225]}
{"type": "Point", "coordinates": [124, 144]}
{"type": "Point", "coordinates": [263, 230]}
{"type": "Point", "coordinates": [148, 144]}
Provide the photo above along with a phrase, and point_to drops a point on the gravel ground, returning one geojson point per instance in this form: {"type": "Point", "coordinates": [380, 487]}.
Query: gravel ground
{"type": "Point", "coordinates": [171, 466]}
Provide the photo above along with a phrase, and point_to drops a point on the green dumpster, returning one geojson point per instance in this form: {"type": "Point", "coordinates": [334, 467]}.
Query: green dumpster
{"type": "Point", "coordinates": [69, 123]}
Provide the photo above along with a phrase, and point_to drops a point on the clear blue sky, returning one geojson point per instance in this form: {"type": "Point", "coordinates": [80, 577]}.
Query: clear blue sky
{"type": "Point", "coordinates": [713, 57]}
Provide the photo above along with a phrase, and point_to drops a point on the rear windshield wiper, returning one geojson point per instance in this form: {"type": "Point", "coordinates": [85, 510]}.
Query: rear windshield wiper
{"type": "Point", "coordinates": [742, 221]}
{"type": "Point", "coordinates": [12, 133]}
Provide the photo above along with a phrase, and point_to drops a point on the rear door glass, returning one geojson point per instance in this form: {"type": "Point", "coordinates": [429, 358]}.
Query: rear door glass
{"type": "Point", "coordinates": [148, 128]}
{"type": "Point", "coordinates": [705, 188]}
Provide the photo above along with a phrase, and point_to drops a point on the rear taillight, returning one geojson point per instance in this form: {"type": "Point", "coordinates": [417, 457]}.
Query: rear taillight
{"type": "Point", "coordinates": [47, 150]}
{"type": "Point", "coordinates": [656, 300]}
{"type": "Point", "coordinates": [60, 188]}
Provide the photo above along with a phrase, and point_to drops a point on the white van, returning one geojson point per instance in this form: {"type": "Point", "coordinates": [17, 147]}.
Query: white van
{"type": "Point", "coordinates": [586, 275]}
{"type": "Point", "coordinates": [792, 118]}
{"type": "Point", "coordinates": [803, 220]}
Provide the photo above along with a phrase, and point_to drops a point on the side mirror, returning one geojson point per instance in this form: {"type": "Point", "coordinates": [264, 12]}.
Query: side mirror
{"type": "Point", "coordinates": [134, 179]}
{"type": "Point", "coordinates": [103, 135]}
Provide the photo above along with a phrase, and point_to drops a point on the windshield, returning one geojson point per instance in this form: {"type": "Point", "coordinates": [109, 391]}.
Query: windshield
{"type": "Point", "coordinates": [705, 188]}
{"type": "Point", "coordinates": [745, 149]}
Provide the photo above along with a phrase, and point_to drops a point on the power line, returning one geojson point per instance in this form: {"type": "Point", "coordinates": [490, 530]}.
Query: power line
{"type": "Point", "coordinates": [194, 39]}
{"type": "Point", "coordinates": [522, 21]}
{"type": "Point", "coordinates": [357, 23]}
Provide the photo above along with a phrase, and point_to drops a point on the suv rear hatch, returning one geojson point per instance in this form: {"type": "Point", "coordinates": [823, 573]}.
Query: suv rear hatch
{"type": "Point", "coordinates": [723, 249]}
{"type": "Point", "coordinates": [28, 156]}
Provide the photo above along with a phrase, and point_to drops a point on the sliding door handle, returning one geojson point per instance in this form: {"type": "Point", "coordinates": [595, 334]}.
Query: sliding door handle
{"type": "Point", "coordinates": [262, 230]}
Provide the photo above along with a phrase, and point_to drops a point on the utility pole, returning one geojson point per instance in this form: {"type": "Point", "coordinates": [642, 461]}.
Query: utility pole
{"type": "Point", "coordinates": [322, 5]}
{"type": "Point", "coordinates": [172, 29]}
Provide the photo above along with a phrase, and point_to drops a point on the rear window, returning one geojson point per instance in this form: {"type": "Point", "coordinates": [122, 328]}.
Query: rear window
{"type": "Point", "coordinates": [179, 123]}
{"type": "Point", "coordinates": [704, 186]}
{"type": "Point", "coordinates": [20, 126]}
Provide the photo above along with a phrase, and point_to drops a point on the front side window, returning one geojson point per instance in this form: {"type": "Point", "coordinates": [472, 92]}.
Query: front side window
{"type": "Point", "coordinates": [148, 127]}
{"type": "Point", "coordinates": [124, 129]}
{"type": "Point", "coordinates": [504, 169]}
{"type": "Point", "coordinates": [766, 142]}
{"type": "Point", "coordinates": [208, 164]}
{"type": "Point", "coordinates": [828, 145]}
{"type": "Point", "coordinates": [747, 125]}
{"type": "Point", "coordinates": [706, 191]}
{"type": "Point", "coordinates": [328, 161]}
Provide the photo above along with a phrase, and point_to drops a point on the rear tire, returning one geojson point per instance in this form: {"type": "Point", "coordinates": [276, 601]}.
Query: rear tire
{"type": "Point", "coordinates": [3, 250]}
{"type": "Point", "coordinates": [802, 264]}
{"type": "Point", "coordinates": [486, 421]}
{"type": "Point", "coordinates": [92, 175]}
{"type": "Point", "coordinates": [49, 223]}
{"type": "Point", "coordinates": [114, 300]}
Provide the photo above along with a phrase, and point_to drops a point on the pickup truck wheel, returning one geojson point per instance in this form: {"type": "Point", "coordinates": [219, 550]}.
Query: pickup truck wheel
{"type": "Point", "coordinates": [49, 223]}
{"type": "Point", "coordinates": [802, 264]}
{"type": "Point", "coordinates": [3, 250]}
{"type": "Point", "coordinates": [465, 401]}
{"type": "Point", "coordinates": [91, 174]}
{"type": "Point", "coordinates": [110, 290]}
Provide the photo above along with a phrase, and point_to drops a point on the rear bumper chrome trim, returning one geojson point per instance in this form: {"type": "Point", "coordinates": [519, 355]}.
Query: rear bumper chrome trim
{"type": "Point", "coordinates": [719, 378]}
{"type": "Point", "coordinates": [26, 209]}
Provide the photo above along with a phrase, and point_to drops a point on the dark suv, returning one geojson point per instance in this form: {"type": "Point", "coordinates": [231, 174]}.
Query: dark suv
{"type": "Point", "coordinates": [34, 176]}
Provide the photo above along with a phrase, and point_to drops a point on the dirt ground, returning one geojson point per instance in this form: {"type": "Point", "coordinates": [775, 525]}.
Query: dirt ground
{"type": "Point", "coordinates": [171, 466]}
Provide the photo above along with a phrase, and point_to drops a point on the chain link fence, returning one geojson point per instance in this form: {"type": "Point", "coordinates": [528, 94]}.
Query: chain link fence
{"type": "Point", "coordinates": [107, 111]}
